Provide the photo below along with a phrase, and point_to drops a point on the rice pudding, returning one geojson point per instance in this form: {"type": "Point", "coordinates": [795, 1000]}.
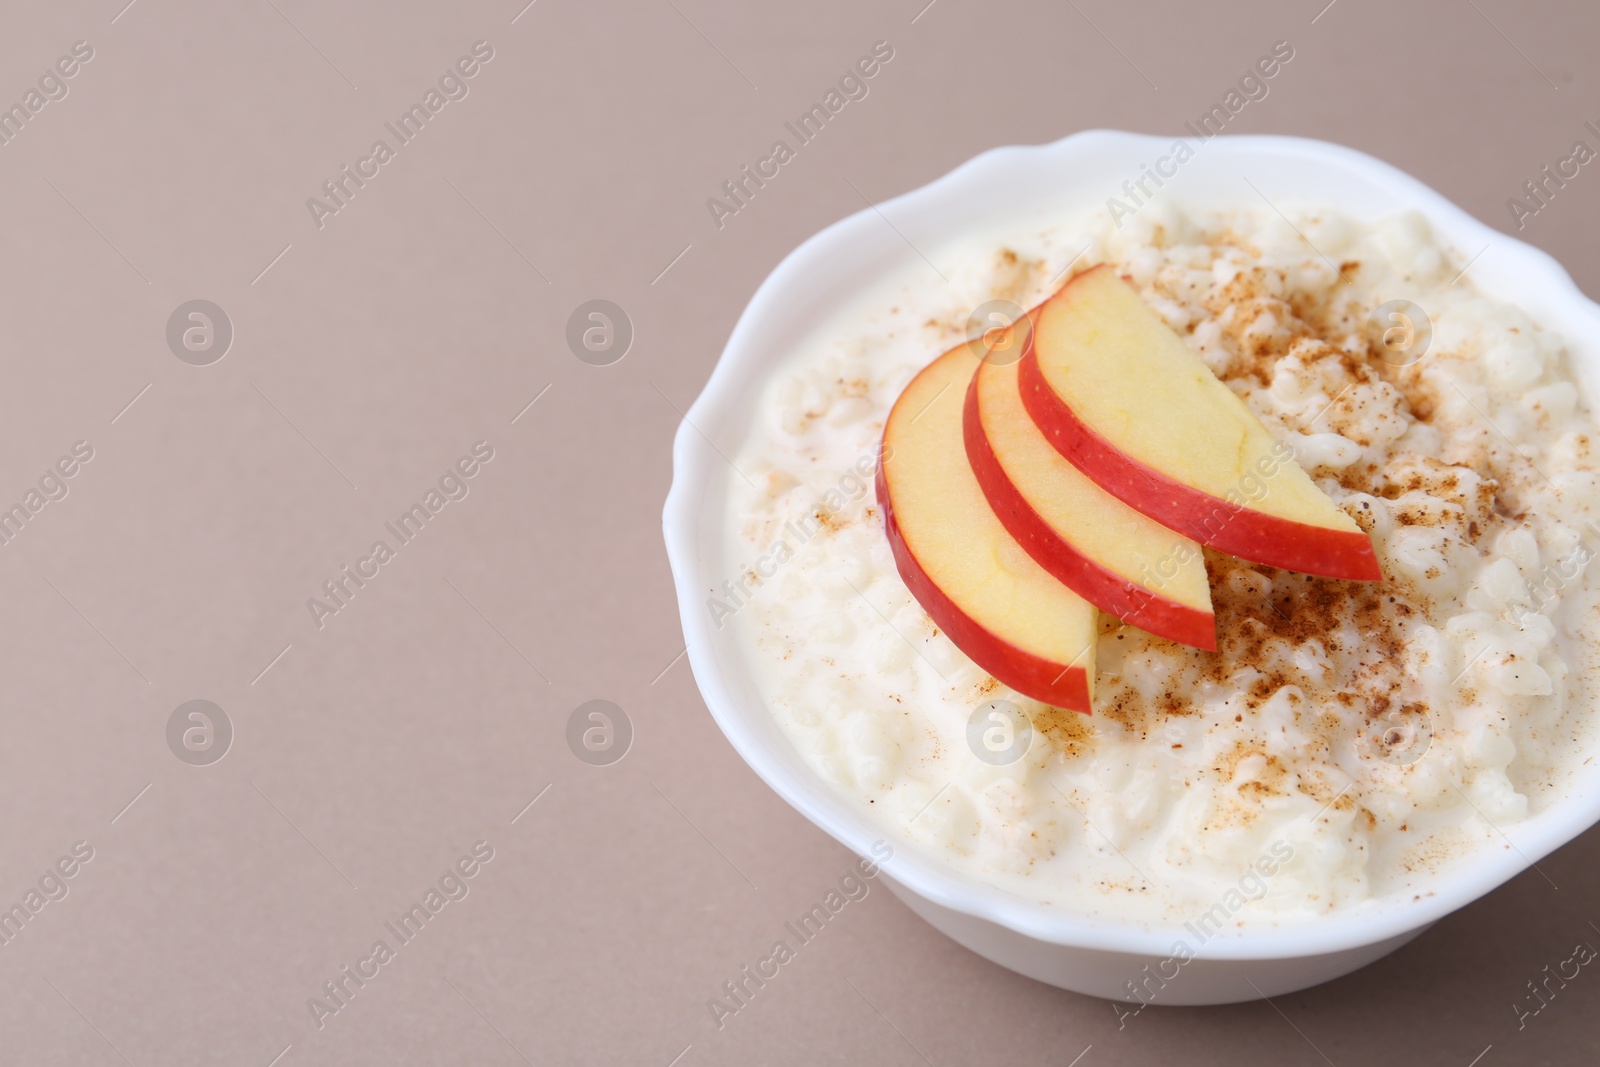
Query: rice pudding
{"type": "Point", "coordinates": [1347, 740]}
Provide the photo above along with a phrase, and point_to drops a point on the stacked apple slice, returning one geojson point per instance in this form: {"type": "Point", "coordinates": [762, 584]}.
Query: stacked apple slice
{"type": "Point", "coordinates": [1121, 396]}
{"type": "Point", "coordinates": [1023, 495]}
{"type": "Point", "coordinates": [1001, 608]}
{"type": "Point", "coordinates": [1124, 563]}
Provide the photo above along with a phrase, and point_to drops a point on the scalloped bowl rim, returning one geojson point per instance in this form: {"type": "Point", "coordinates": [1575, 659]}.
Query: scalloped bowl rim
{"type": "Point", "coordinates": [695, 485]}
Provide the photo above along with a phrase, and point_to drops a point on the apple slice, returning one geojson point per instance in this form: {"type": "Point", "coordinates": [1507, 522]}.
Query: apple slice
{"type": "Point", "coordinates": [1120, 561]}
{"type": "Point", "coordinates": [1001, 608]}
{"type": "Point", "coordinates": [1121, 396]}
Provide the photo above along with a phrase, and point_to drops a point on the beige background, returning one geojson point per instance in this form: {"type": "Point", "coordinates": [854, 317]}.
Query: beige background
{"type": "Point", "coordinates": [424, 717]}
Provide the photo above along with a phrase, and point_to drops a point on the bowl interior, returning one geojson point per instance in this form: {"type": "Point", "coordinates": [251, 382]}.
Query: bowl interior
{"type": "Point", "coordinates": [1002, 191]}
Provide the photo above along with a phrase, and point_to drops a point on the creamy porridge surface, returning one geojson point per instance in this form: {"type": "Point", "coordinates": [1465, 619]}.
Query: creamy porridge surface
{"type": "Point", "coordinates": [1348, 740]}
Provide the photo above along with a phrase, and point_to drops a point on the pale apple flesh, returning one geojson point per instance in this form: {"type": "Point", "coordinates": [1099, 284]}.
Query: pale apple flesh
{"type": "Point", "coordinates": [1119, 560]}
{"type": "Point", "coordinates": [1130, 405]}
{"type": "Point", "coordinates": [1007, 613]}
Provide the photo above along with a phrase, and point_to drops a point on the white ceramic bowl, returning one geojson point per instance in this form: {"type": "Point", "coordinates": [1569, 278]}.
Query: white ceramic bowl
{"type": "Point", "coordinates": [997, 189]}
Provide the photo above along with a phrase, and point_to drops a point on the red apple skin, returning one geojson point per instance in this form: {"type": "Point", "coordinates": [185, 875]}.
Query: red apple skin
{"type": "Point", "coordinates": [1212, 521]}
{"type": "Point", "coordinates": [1060, 685]}
{"type": "Point", "coordinates": [1105, 589]}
